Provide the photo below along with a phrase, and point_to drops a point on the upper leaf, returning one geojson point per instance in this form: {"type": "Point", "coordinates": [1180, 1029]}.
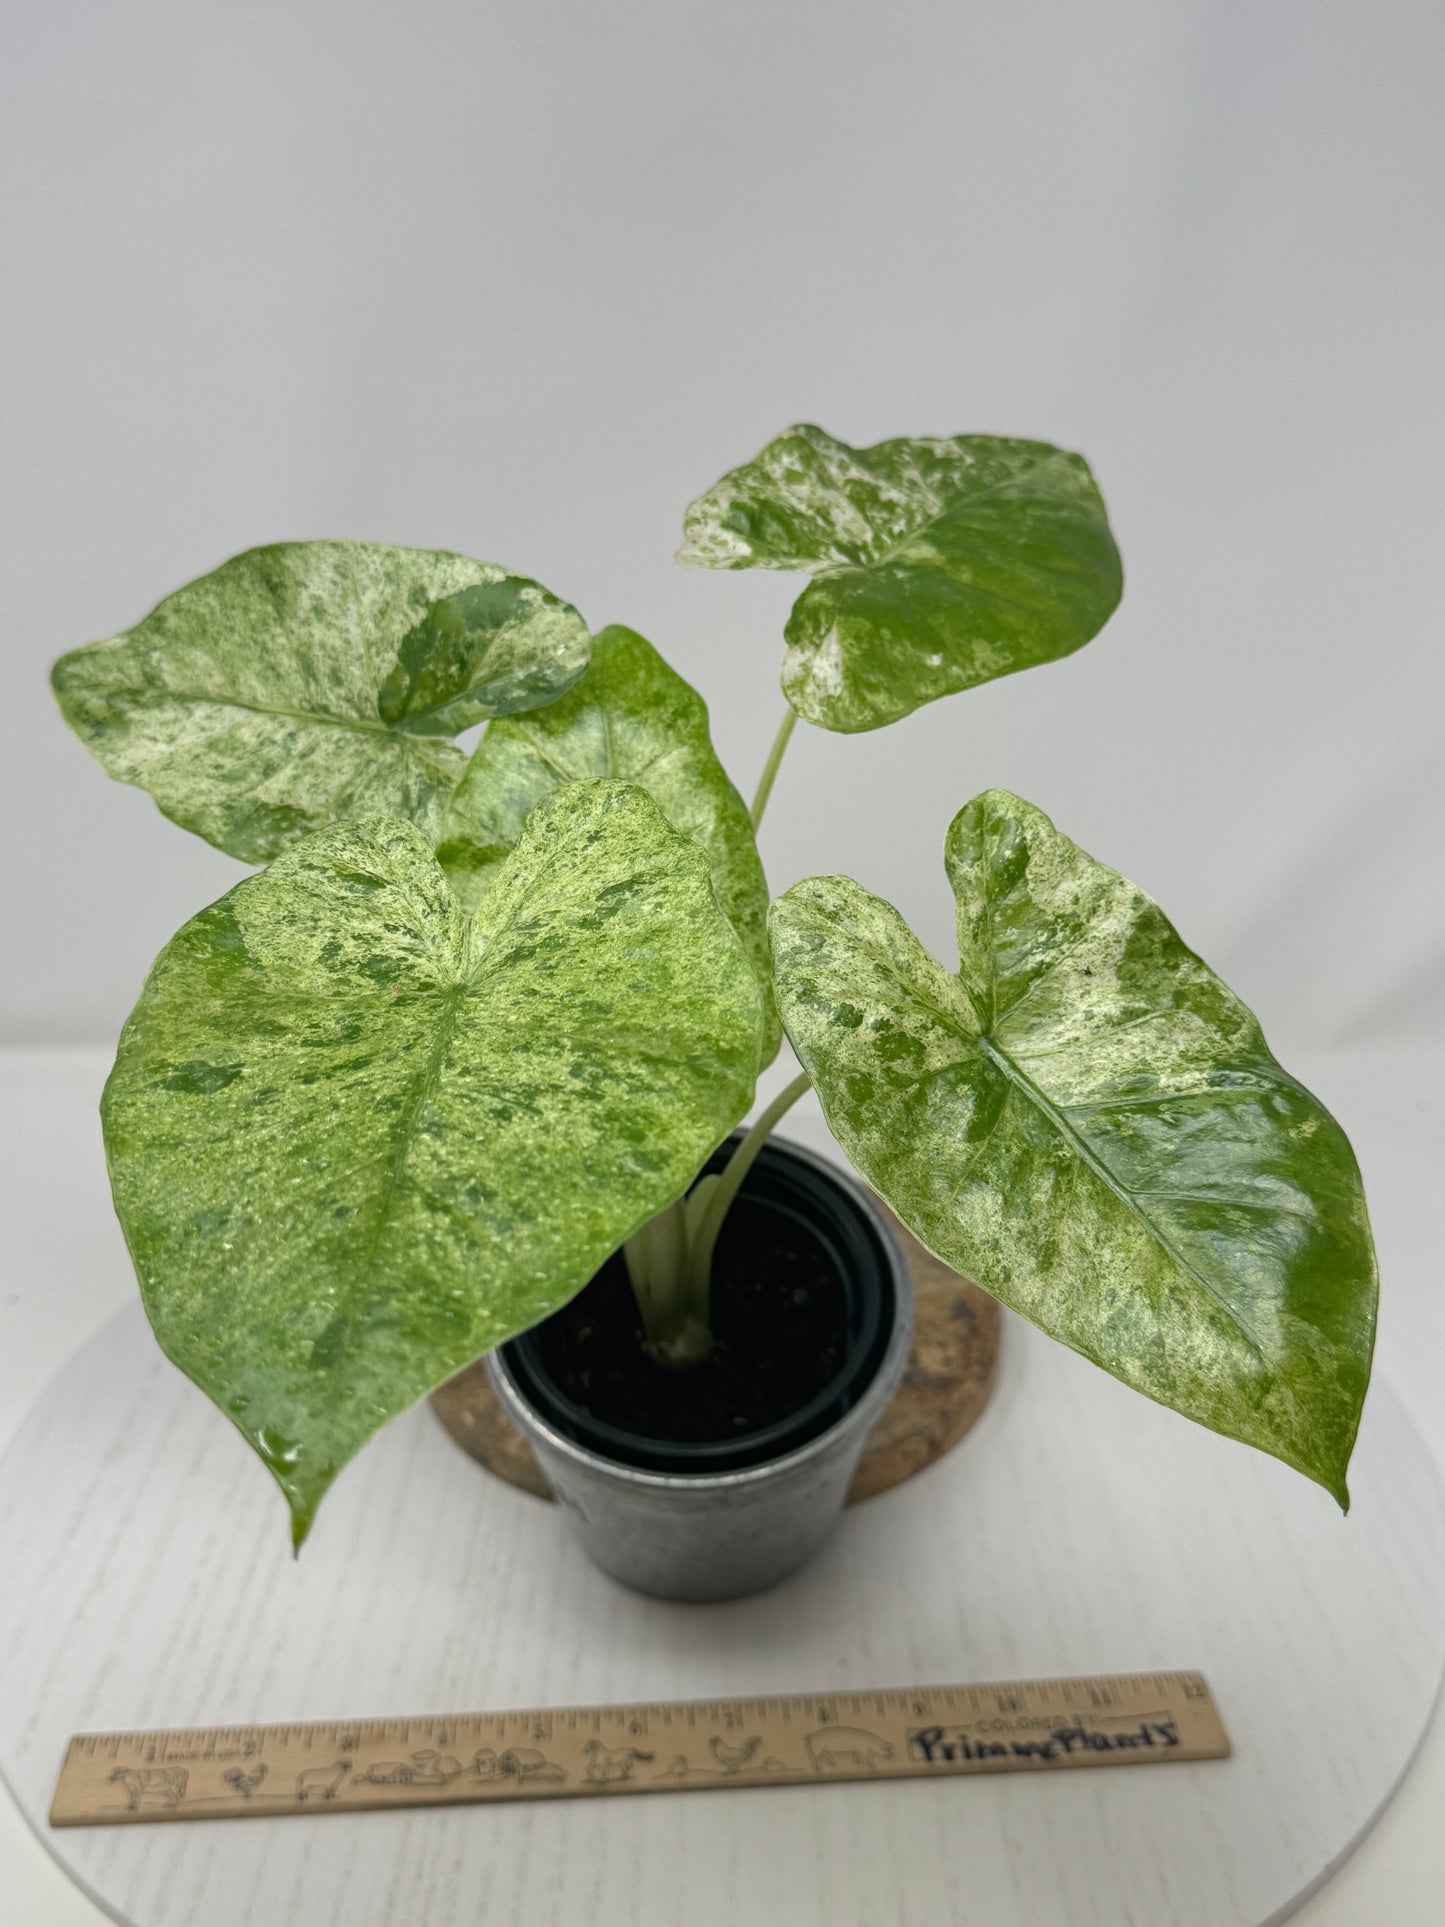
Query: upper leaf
{"type": "Point", "coordinates": [358, 1137]}
{"type": "Point", "coordinates": [308, 683]}
{"type": "Point", "coordinates": [630, 717]}
{"type": "Point", "coordinates": [1090, 1124]}
{"type": "Point", "coordinates": [936, 564]}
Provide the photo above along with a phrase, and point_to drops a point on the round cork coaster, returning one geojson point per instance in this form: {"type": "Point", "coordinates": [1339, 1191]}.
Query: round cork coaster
{"type": "Point", "coordinates": [949, 1376]}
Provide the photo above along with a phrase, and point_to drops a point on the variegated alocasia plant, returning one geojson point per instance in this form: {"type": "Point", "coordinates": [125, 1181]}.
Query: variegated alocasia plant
{"type": "Point", "coordinates": [483, 1019]}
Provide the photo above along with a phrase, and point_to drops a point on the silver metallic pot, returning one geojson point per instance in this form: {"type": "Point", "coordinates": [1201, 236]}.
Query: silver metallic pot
{"type": "Point", "coordinates": [685, 1530]}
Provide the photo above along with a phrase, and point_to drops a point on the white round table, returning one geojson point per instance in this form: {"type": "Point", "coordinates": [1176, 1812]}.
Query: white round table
{"type": "Point", "coordinates": [147, 1581]}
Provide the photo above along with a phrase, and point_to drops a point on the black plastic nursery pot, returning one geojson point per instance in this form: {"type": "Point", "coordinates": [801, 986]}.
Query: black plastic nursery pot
{"type": "Point", "coordinates": [738, 1470]}
{"type": "Point", "coordinates": [803, 1300]}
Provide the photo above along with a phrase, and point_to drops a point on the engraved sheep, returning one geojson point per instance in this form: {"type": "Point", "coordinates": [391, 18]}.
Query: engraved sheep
{"type": "Point", "coordinates": [321, 1781]}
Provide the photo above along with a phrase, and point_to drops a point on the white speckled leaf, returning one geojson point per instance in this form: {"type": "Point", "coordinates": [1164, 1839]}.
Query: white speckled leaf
{"type": "Point", "coordinates": [633, 718]}
{"type": "Point", "coordinates": [936, 564]}
{"type": "Point", "coordinates": [315, 682]}
{"type": "Point", "coordinates": [1089, 1123]}
{"type": "Point", "coordinates": [357, 1137]}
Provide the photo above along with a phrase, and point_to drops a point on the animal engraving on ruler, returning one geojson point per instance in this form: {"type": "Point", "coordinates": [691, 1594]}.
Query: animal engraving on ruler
{"type": "Point", "coordinates": [150, 1787]}
{"type": "Point", "coordinates": [522, 1764]}
{"type": "Point", "coordinates": [321, 1782]}
{"type": "Point", "coordinates": [733, 1757]}
{"type": "Point", "coordinates": [610, 1765]}
{"type": "Point", "coordinates": [835, 1749]}
{"type": "Point", "coordinates": [730, 1757]}
{"type": "Point", "coordinates": [242, 1783]}
{"type": "Point", "coordinates": [425, 1768]}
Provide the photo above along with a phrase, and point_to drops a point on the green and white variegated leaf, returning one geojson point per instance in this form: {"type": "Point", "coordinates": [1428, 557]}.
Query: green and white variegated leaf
{"type": "Point", "coordinates": [358, 1137]}
{"type": "Point", "coordinates": [315, 682]}
{"type": "Point", "coordinates": [1089, 1123]}
{"type": "Point", "coordinates": [936, 564]}
{"type": "Point", "coordinates": [633, 718]}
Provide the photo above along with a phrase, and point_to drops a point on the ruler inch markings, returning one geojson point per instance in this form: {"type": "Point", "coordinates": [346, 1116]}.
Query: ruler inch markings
{"type": "Point", "coordinates": [796, 1739]}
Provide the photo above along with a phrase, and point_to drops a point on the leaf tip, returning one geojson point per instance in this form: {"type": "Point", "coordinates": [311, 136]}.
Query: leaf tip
{"type": "Point", "coordinates": [303, 1517]}
{"type": "Point", "coordinates": [1329, 1473]}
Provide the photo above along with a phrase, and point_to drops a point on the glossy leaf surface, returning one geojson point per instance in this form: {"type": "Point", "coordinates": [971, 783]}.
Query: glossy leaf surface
{"type": "Point", "coordinates": [1089, 1123]}
{"type": "Point", "coordinates": [358, 1137]}
{"type": "Point", "coordinates": [633, 718]}
{"type": "Point", "coordinates": [313, 682]}
{"type": "Point", "coordinates": [936, 564]}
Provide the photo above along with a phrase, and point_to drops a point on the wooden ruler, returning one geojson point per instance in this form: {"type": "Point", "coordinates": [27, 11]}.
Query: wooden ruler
{"type": "Point", "coordinates": [799, 1739]}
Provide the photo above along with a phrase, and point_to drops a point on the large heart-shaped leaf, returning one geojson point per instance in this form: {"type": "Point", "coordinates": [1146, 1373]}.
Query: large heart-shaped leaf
{"type": "Point", "coordinates": [936, 564]}
{"type": "Point", "coordinates": [630, 717]}
{"type": "Point", "coordinates": [1089, 1123]}
{"type": "Point", "coordinates": [313, 682]}
{"type": "Point", "coordinates": [358, 1137]}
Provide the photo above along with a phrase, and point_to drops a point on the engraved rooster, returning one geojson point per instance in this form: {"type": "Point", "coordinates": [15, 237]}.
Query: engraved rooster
{"type": "Point", "coordinates": [733, 1758]}
{"type": "Point", "coordinates": [243, 1783]}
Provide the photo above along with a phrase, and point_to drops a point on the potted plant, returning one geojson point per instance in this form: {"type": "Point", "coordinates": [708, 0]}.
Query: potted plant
{"type": "Point", "coordinates": [459, 1068]}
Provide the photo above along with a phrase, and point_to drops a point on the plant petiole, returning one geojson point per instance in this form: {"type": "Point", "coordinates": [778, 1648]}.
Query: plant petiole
{"type": "Point", "coordinates": [770, 768]}
{"type": "Point", "coordinates": [669, 1259]}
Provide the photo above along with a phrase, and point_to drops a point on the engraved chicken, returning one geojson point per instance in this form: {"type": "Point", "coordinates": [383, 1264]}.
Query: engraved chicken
{"type": "Point", "coordinates": [243, 1783]}
{"type": "Point", "coordinates": [732, 1759]}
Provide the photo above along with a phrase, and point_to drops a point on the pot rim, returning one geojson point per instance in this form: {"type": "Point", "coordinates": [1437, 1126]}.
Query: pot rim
{"type": "Point", "coordinates": [865, 1411]}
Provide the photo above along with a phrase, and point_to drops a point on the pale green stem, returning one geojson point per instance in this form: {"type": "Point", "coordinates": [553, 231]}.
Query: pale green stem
{"type": "Point", "coordinates": [705, 1235]}
{"type": "Point", "coordinates": [770, 768]}
{"type": "Point", "coordinates": [672, 1317]}
{"type": "Point", "coordinates": [669, 1259]}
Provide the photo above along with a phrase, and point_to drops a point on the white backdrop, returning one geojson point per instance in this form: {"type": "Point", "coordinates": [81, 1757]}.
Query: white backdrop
{"type": "Point", "coordinates": [520, 279]}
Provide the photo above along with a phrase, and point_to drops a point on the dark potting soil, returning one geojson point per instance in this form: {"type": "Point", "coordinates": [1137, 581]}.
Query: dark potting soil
{"type": "Point", "coordinates": [779, 1316]}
